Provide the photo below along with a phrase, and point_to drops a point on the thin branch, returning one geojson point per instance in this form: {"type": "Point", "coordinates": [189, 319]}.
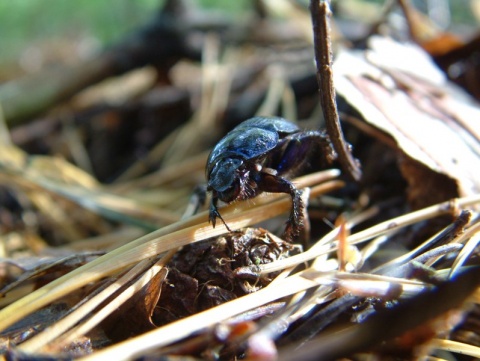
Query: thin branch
{"type": "Point", "coordinates": [320, 12]}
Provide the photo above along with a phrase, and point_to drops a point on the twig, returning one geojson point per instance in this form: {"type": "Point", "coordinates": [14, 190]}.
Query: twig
{"type": "Point", "coordinates": [320, 12]}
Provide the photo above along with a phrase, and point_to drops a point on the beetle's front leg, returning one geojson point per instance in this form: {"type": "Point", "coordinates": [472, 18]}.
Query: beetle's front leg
{"type": "Point", "coordinates": [272, 183]}
{"type": "Point", "coordinates": [214, 213]}
{"type": "Point", "coordinates": [197, 200]}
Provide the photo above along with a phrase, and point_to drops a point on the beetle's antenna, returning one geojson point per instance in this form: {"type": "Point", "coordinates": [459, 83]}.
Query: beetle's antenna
{"type": "Point", "coordinates": [223, 221]}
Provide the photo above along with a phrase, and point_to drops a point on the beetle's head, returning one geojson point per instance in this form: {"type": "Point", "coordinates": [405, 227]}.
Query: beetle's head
{"type": "Point", "coordinates": [224, 179]}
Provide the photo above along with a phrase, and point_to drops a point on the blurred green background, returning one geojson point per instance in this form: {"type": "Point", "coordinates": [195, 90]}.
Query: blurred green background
{"type": "Point", "coordinates": [38, 33]}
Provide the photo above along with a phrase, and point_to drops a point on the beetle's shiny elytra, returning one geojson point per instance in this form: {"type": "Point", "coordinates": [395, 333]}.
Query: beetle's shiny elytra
{"type": "Point", "coordinates": [258, 156]}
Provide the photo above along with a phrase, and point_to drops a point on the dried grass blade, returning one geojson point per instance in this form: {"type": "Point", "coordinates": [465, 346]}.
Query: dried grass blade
{"type": "Point", "coordinates": [192, 230]}
{"type": "Point", "coordinates": [57, 329]}
{"type": "Point", "coordinates": [324, 246]}
{"type": "Point", "coordinates": [111, 307]}
{"type": "Point", "coordinates": [180, 329]}
{"type": "Point", "coordinates": [456, 347]}
{"type": "Point", "coordinates": [474, 234]}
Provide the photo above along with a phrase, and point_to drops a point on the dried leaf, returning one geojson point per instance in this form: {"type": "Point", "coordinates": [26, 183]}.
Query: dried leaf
{"type": "Point", "coordinates": [135, 316]}
{"type": "Point", "coordinates": [399, 91]}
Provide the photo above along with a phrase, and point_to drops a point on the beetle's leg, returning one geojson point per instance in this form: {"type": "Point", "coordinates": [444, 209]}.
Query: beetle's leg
{"type": "Point", "coordinates": [272, 183]}
{"type": "Point", "coordinates": [200, 192]}
{"type": "Point", "coordinates": [297, 216]}
{"type": "Point", "coordinates": [301, 146]}
{"type": "Point", "coordinates": [197, 200]}
{"type": "Point", "coordinates": [214, 213]}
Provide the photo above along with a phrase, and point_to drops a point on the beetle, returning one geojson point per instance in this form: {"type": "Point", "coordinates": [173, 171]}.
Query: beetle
{"type": "Point", "coordinates": [259, 155]}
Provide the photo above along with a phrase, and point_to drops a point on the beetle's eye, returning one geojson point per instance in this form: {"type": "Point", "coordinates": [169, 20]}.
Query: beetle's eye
{"type": "Point", "coordinates": [223, 174]}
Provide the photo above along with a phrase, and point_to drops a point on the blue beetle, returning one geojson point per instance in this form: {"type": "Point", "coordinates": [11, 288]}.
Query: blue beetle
{"type": "Point", "coordinates": [258, 156]}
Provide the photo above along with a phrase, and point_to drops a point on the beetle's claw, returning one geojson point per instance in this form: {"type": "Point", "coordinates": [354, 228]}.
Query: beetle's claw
{"type": "Point", "coordinates": [212, 218]}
